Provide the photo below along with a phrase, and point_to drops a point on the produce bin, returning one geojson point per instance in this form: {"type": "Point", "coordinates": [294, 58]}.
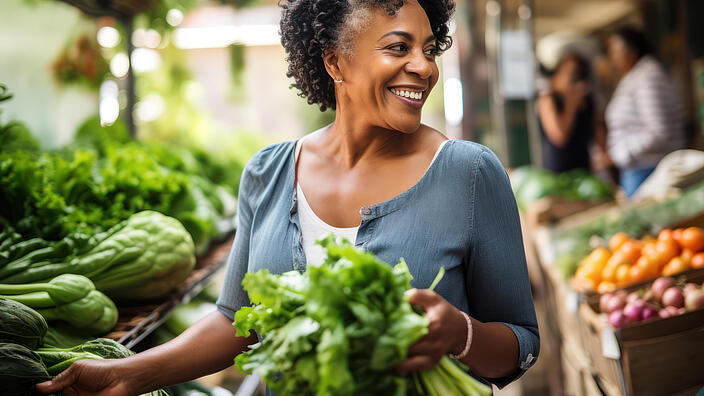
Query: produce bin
{"type": "Point", "coordinates": [136, 322]}
{"type": "Point", "coordinates": [657, 357]}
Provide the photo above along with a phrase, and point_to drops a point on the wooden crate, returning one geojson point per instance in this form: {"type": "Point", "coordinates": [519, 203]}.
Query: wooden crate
{"type": "Point", "coordinates": [657, 357]}
{"type": "Point", "coordinates": [550, 210]}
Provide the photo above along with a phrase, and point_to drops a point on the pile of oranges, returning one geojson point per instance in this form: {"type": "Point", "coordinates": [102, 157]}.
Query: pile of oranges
{"type": "Point", "coordinates": [629, 261]}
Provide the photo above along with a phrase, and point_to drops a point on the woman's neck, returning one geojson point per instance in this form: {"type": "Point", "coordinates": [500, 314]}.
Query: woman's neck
{"type": "Point", "coordinates": [351, 139]}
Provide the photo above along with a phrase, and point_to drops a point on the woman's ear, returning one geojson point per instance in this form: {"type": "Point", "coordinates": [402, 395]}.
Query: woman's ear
{"type": "Point", "coordinates": [331, 59]}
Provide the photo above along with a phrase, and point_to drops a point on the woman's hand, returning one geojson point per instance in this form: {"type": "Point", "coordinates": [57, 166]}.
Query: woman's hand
{"type": "Point", "coordinates": [89, 377]}
{"type": "Point", "coordinates": [447, 332]}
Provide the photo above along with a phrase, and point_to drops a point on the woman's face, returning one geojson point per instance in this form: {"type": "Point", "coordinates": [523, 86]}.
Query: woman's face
{"type": "Point", "coordinates": [564, 75]}
{"type": "Point", "coordinates": [621, 57]}
{"type": "Point", "coordinates": [391, 69]}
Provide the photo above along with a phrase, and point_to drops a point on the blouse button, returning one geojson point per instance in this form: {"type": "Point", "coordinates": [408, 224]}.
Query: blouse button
{"type": "Point", "coordinates": [366, 211]}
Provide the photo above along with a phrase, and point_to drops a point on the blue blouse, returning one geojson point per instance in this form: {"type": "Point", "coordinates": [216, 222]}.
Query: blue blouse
{"type": "Point", "coordinates": [460, 215]}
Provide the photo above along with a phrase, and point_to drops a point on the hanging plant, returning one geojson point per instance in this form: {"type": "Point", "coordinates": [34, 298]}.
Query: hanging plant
{"type": "Point", "coordinates": [81, 63]}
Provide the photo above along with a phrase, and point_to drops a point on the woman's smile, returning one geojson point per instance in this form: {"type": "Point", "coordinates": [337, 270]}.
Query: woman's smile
{"type": "Point", "coordinates": [411, 96]}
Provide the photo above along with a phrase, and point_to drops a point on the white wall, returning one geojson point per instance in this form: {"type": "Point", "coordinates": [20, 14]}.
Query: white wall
{"type": "Point", "coordinates": [31, 36]}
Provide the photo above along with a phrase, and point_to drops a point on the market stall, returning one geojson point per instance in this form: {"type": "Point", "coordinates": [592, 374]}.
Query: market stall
{"type": "Point", "coordinates": [602, 270]}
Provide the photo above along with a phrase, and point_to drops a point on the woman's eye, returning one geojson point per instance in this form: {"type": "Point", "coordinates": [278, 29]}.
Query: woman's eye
{"type": "Point", "coordinates": [398, 47]}
{"type": "Point", "coordinates": [431, 51]}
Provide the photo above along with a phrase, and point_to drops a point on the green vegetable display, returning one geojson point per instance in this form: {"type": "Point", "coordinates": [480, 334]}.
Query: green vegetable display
{"type": "Point", "coordinates": [143, 257]}
{"type": "Point", "coordinates": [530, 184]}
{"type": "Point", "coordinates": [20, 324]}
{"type": "Point", "coordinates": [338, 329]}
{"type": "Point", "coordinates": [69, 298]}
{"type": "Point", "coordinates": [20, 369]}
{"type": "Point", "coordinates": [23, 363]}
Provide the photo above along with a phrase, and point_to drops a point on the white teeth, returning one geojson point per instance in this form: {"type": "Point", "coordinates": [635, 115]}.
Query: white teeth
{"type": "Point", "coordinates": [408, 94]}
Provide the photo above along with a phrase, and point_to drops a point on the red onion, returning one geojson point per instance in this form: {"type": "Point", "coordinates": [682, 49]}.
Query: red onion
{"type": "Point", "coordinates": [660, 285]}
{"type": "Point", "coordinates": [616, 302]}
{"type": "Point", "coordinates": [664, 313]}
{"type": "Point", "coordinates": [673, 297]}
{"type": "Point", "coordinates": [634, 310]}
{"type": "Point", "coordinates": [649, 312]}
{"type": "Point", "coordinates": [618, 319]}
{"type": "Point", "coordinates": [673, 311]}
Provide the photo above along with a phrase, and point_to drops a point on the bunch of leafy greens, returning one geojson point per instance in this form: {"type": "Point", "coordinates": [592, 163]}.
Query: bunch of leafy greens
{"type": "Point", "coordinates": [339, 329]}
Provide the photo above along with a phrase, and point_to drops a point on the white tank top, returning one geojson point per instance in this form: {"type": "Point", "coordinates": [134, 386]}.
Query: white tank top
{"type": "Point", "coordinates": [313, 227]}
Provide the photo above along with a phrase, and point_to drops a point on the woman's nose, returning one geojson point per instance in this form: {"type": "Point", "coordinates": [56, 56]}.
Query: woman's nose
{"type": "Point", "coordinates": [420, 65]}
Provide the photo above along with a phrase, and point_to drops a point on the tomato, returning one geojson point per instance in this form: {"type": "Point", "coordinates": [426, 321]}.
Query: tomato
{"type": "Point", "coordinates": [693, 238]}
{"type": "Point", "coordinates": [617, 240]}
{"type": "Point", "coordinates": [605, 287]}
{"type": "Point", "coordinates": [698, 261]}
{"type": "Point", "coordinates": [631, 250]}
{"type": "Point", "coordinates": [675, 266]}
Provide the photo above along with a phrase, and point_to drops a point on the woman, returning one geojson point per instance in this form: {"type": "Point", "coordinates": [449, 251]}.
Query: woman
{"type": "Point", "coordinates": [644, 117]}
{"type": "Point", "coordinates": [567, 116]}
{"type": "Point", "coordinates": [371, 171]}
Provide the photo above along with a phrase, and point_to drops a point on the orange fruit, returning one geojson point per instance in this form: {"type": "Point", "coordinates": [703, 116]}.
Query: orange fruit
{"type": "Point", "coordinates": [609, 273]}
{"type": "Point", "coordinates": [605, 287]}
{"type": "Point", "coordinates": [693, 238]}
{"type": "Point", "coordinates": [697, 261]}
{"type": "Point", "coordinates": [617, 240]}
{"type": "Point", "coordinates": [665, 235]}
{"type": "Point", "coordinates": [675, 266]}
{"type": "Point", "coordinates": [622, 272]}
{"type": "Point", "coordinates": [649, 249]}
{"type": "Point", "coordinates": [616, 258]}
{"type": "Point", "coordinates": [649, 267]}
{"type": "Point", "coordinates": [666, 250]}
{"type": "Point", "coordinates": [638, 273]}
{"type": "Point", "coordinates": [631, 250]}
{"type": "Point", "coordinates": [599, 257]}
{"type": "Point", "coordinates": [687, 255]}
{"type": "Point", "coordinates": [677, 235]}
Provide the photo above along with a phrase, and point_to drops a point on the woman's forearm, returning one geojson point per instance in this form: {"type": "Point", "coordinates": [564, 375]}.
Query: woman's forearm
{"type": "Point", "coordinates": [205, 348]}
{"type": "Point", "coordinates": [494, 350]}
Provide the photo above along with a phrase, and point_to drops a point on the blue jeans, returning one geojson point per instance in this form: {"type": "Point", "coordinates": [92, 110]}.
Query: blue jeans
{"type": "Point", "coordinates": [631, 179]}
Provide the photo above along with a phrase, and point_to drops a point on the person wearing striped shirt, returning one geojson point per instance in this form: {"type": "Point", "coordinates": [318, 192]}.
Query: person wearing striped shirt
{"type": "Point", "coordinates": [644, 117]}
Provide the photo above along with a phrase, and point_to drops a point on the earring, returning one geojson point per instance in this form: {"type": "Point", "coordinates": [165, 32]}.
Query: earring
{"type": "Point", "coordinates": [338, 81]}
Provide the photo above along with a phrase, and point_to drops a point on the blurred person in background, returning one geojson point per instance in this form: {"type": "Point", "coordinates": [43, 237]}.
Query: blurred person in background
{"type": "Point", "coordinates": [644, 117]}
{"type": "Point", "coordinates": [567, 116]}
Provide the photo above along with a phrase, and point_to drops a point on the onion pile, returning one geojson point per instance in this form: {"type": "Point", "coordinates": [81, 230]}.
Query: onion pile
{"type": "Point", "coordinates": [662, 300]}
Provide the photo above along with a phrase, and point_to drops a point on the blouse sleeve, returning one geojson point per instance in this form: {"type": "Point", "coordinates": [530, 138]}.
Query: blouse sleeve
{"type": "Point", "coordinates": [498, 287]}
{"type": "Point", "coordinates": [233, 295]}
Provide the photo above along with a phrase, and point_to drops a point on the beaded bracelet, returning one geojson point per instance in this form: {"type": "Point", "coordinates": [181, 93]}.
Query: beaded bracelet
{"type": "Point", "coordinates": [468, 343]}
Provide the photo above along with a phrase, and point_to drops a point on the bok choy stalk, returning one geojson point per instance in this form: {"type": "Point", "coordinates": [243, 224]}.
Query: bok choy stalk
{"type": "Point", "coordinates": [69, 298]}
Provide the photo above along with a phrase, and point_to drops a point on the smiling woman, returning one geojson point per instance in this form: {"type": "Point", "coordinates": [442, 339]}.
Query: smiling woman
{"type": "Point", "coordinates": [379, 177]}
